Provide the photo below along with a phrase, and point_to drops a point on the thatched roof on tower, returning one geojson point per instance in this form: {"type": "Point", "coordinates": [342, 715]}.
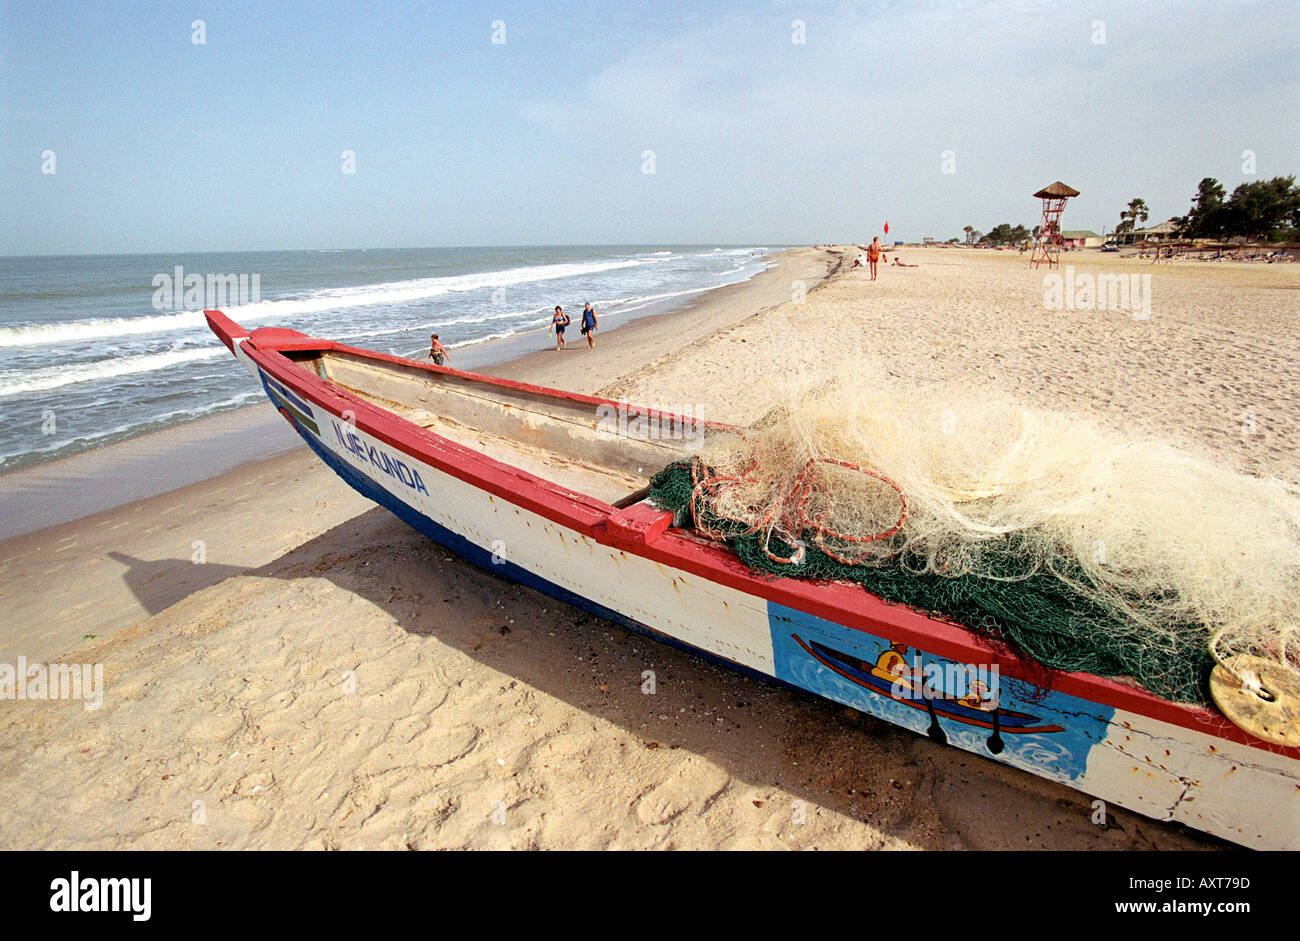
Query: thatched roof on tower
{"type": "Point", "coordinates": [1057, 190]}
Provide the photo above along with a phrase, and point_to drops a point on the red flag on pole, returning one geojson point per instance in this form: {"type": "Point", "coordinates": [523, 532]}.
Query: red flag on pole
{"type": "Point", "coordinates": [886, 228]}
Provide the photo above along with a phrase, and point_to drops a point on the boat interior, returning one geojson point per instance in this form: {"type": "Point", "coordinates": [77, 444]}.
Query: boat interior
{"type": "Point", "coordinates": [598, 452]}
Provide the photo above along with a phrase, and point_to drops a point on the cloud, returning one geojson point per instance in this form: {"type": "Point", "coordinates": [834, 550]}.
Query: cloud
{"type": "Point", "coordinates": [857, 118]}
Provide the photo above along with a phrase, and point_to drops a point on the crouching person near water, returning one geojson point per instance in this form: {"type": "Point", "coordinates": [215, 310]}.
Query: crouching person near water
{"type": "Point", "coordinates": [437, 352]}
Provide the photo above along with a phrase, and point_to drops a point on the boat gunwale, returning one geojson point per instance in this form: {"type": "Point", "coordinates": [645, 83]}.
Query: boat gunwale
{"type": "Point", "coordinates": [575, 398]}
{"type": "Point", "coordinates": [844, 603]}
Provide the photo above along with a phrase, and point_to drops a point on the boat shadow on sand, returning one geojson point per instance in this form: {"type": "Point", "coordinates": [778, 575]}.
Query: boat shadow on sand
{"type": "Point", "coordinates": [757, 731]}
{"type": "Point", "coordinates": [159, 584]}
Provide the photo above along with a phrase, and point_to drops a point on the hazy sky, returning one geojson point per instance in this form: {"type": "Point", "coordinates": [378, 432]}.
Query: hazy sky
{"type": "Point", "coordinates": [163, 144]}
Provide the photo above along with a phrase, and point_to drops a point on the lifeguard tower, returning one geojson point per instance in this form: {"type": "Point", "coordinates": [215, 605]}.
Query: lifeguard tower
{"type": "Point", "coordinates": [1048, 245]}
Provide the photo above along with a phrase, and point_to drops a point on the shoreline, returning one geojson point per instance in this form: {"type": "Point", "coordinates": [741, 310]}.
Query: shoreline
{"type": "Point", "coordinates": [717, 310]}
{"type": "Point", "coordinates": [159, 496]}
{"type": "Point", "coordinates": [58, 491]}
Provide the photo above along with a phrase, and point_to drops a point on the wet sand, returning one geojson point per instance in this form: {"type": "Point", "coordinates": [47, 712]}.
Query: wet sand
{"type": "Point", "coordinates": [327, 678]}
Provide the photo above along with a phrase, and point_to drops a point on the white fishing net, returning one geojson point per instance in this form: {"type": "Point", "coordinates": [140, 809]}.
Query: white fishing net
{"type": "Point", "coordinates": [1171, 545]}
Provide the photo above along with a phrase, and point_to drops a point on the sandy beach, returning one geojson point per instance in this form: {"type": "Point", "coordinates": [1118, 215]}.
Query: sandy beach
{"type": "Point", "coordinates": [286, 665]}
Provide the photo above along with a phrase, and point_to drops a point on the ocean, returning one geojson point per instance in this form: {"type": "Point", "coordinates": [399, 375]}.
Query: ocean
{"type": "Point", "coordinates": [100, 348]}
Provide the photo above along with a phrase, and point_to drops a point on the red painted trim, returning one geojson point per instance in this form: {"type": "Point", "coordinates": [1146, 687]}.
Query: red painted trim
{"type": "Point", "coordinates": [840, 602]}
{"type": "Point", "coordinates": [636, 526]}
{"type": "Point", "coordinates": [227, 330]}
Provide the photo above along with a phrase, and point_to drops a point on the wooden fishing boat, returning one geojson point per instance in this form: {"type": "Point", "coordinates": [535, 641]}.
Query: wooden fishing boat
{"type": "Point", "coordinates": [548, 488]}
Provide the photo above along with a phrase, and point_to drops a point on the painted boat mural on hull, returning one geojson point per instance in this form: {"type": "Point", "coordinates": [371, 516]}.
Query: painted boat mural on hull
{"type": "Point", "coordinates": [1040, 730]}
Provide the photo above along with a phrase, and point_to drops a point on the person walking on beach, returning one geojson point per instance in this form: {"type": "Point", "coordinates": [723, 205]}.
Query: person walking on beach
{"type": "Point", "coordinates": [589, 325]}
{"type": "Point", "coordinates": [875, 251]}
{"type": "Point", "coordinates": [437, 352]}
{"type": "Point", "coordinates": [559, 322]}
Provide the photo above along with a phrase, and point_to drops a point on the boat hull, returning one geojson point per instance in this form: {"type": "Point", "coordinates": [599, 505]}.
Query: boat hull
{"type": "Point", "coordinates": [1169, 763]}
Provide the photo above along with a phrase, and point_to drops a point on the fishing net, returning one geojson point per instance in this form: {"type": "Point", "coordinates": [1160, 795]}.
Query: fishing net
{"type": "Point", "coordinates": [1080, 548]}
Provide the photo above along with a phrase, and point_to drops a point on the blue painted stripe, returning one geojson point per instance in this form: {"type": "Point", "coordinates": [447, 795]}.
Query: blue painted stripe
{"type": "Point", "coordinates": [279, 389]}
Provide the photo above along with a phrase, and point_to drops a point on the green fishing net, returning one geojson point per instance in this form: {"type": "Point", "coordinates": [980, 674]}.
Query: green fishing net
{"type": "Point", "coordinates": [1039, 616]}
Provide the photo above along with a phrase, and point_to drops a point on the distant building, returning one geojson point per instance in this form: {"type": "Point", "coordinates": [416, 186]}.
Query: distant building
{"type": "Point", "coordinates": [1081, 238]}
{"type": "Point", "coordinates": [1156, 233]}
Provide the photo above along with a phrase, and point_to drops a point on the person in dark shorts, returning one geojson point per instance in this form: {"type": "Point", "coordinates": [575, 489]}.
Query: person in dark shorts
{"type": "Point", "coordinates": [559, 322]}
{"type": "Point", "coordinates": [589, 325]}
{"type": "Point", "coordinates": [437, 352]}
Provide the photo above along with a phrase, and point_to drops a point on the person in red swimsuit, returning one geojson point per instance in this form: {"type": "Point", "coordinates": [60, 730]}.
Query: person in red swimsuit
{"type": "Point", "coordinates": [875, 252]}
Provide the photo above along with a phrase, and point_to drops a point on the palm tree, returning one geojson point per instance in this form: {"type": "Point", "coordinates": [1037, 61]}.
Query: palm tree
{"type": "Point", "coordinates": [1135, 213]}
{"type": "Point", "coordinates": [970, 233]}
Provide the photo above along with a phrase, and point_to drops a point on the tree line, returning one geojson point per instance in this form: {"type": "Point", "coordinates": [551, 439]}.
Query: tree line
{"type": "Point", "coordinates": [1264, 209]}
{"type": "Point", "coordinates": [1004, 233]}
